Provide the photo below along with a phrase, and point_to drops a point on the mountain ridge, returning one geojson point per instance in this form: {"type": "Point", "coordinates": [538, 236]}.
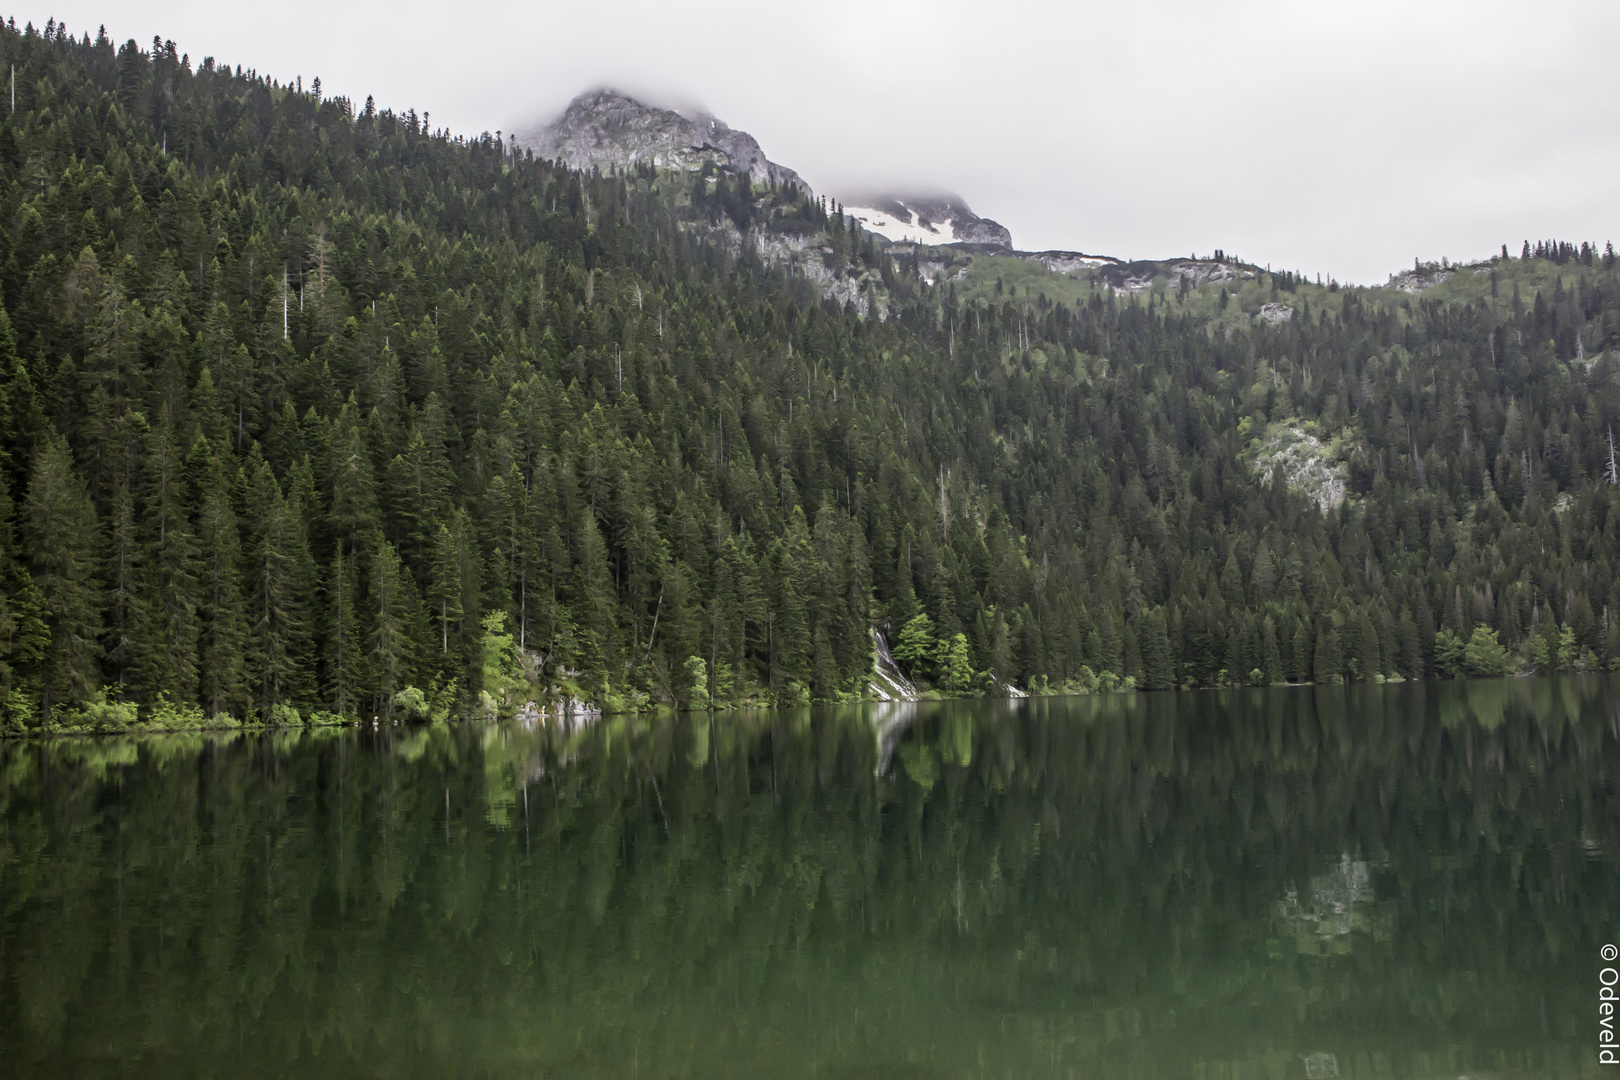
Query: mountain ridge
{"type": "Point", "coordinates": [607, 128]}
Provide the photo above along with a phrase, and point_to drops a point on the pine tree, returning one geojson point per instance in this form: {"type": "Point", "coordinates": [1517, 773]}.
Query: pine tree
{"type": "Point", "coordinates": [220, 608]}
{"type": "Point", "coordinates": [354, 500]}
{"type": "Point", "coordinates": [344, 662]}
{"type": "Point", "coordinates": [593, 599]}
{"type": "Point", "coordinates": [24, 635]}
{"type": "Point", "coordinates": [1369, 661]}
{"type": "Point", "coordinates": [21, 419]}
{"type": "Point", "coordinates": [1300, 669]}
{"type": "Point", "coordinates": [124, 563]}
{"type": "Point", "coordinates": [1157, 672]}
{"type": "Point", "coordinates": [957, 674]}
{"type": "Point", "coordinates": [444, 594]}
{"type": "Point", "coordinates": [1411, 649]}
{"type": "Point", "coordinates": [60, 528]}
{"type": "Point", "coordinates": [1327, 665]}
{"type": "Point", "coordinates": [1271, 662]}
{"type": "Point", "coordinates": [389, 650]}
{"type": "Point", "coordinates": [167, 649]}
{"type": "Point", "coordinates": [277, 610]}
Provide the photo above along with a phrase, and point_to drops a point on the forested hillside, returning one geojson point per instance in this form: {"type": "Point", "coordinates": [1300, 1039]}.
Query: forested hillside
{"type": "Point", "coordinates": [311, 409]}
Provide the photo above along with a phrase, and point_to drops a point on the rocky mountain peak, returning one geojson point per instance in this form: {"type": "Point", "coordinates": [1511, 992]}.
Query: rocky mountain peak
{"type": "Point", "coordinates": [606, 128]}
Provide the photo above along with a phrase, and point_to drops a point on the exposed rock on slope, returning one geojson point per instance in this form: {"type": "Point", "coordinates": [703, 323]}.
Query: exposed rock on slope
{"type": "Point", "coordinates": [1416, 281]}
{"type": "Point", "coordinates": [935, 219]}
{"type": "Point", "coordinates": [1134, 277]}
{"type": "Point", "coordinates": [1311, 467]}
{"type": "Point", "coordinates": [1272, 314]}
{"type": "Point", "coordinates": [1067, 262]}
{"type": "Point", "coordinates": [609, 129]}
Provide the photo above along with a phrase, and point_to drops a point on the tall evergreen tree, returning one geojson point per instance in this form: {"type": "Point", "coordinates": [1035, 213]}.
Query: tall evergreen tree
{"type": "Point", "coordinates": [221, 609]}
{"type": "Point", "coordinates": [167, 652]}
{"type": "Point", "coordinates": [277, 610]}
{"type": "Point", "coordinates": [389, 652]}
{"type": "Point", "coordinates": [61, 530]}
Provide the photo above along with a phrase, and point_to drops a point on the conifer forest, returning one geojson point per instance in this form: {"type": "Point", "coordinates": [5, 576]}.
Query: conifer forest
{"type": "Point", "coordinates": [311, 411]}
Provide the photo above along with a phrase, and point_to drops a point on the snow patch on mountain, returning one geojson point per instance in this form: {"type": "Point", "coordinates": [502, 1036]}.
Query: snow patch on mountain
{"type": "Point", "coordinates": [930, 219]}
{"type": "Point", "coordinates": [891, 227]}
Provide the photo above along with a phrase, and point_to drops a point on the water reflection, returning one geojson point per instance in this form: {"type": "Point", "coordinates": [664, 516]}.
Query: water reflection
{"type": "Point", "coordinates": [1336, 902]}
{"type": "Point", "coordinates": [1377, 881]}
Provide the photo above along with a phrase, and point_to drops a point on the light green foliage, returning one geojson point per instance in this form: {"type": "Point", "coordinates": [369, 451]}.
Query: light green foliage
{"type": "Point", "coordinates": [170, 716]}
{"type": "Point", "coordinates": [101, 713]}
{"type": "Point", "coordinates": [499, 652]}
{"type": "Point", "coordinates": [956, 670]}
{"type": "Point", "coordinates": [723, 686]}
{"type": "Point", "coordinates": [1485, 657]}
{"type": "Point", "coordinates": [19, 712]}
{"type": "Point", "coordinates": [411, 704]}
{"type": "Point", "coordinates": [916, 649]}
{"type": "Point", "coordinates": [697, 681]}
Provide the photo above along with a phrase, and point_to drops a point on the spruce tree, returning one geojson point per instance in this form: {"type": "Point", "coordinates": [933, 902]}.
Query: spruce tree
{"type": "Point", "coordinates": [344, 663]}
{"type": "Point", "coordinates": [276, 601]}
{"type": "Point", "coordinates": [1327, 664]}
{"type": "Point", "coordinates": [220, 607]}
{"type": "Point", "coordinates": [389, 645]}
{"type": "Point", "coordinates": [444, 595]}
{"type": "Point", "coordinates": [1157, 673]}
{"type": "Point", "coordinates": [167, 653]}
{"type": "Point", "coordinates": [60, 527]}
{"type": "Point", "coordinates": [24, 634]}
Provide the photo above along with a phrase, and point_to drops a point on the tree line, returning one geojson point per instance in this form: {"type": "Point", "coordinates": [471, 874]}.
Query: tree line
{"type": "Point", "coordinates": [311, 410]}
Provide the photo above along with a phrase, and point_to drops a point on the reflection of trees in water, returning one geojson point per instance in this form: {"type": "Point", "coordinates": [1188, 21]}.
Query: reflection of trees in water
{"type": "Point", "coordinates": [1089, 881]}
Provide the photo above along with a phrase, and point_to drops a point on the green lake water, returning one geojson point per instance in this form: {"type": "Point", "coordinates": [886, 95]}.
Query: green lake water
{"type": "Point", "coordinates": [1401, 881]}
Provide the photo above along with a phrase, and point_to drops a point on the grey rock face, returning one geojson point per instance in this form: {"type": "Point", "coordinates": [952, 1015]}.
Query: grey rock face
{"type": "Point", "coordinates": [946, 215]}
{"type": "Point", "coordinates": [1067, 262]}
{"type": "Point", "coordinates": [609, 129]}
{"type": "Point", "coordinates": [1139, 276]}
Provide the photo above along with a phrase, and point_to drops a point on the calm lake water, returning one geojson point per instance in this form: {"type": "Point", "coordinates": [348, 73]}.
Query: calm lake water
{"type": "Point", "coordinates": [1404, 881]}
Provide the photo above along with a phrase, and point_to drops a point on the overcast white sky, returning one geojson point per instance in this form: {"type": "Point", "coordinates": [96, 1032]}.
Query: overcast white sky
{"type": "Point", "coordinates": [1343, 137]}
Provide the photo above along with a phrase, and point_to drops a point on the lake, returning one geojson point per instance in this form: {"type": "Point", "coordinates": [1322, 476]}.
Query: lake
{"type": "Point", "coordinates": [1383, 881]}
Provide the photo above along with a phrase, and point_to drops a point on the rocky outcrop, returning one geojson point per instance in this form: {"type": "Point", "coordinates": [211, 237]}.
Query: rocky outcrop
{"type": "Point", "coordinates": [606, 129]}
{"type": "Point", "coordinates": [1416, 281]}
{"type": "Point", "coordinates": [1067, 262]}
{"type": "Point", "coordinates": [1134, 277]}
{"type": "Point", "coordinates": [927, 219]}
{"type": "Point", "coordinates": [1310, 467]}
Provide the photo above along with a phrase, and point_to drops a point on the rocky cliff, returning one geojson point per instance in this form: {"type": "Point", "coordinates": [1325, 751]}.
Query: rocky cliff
{"type": "Point", "coordinates": [608, 129]}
